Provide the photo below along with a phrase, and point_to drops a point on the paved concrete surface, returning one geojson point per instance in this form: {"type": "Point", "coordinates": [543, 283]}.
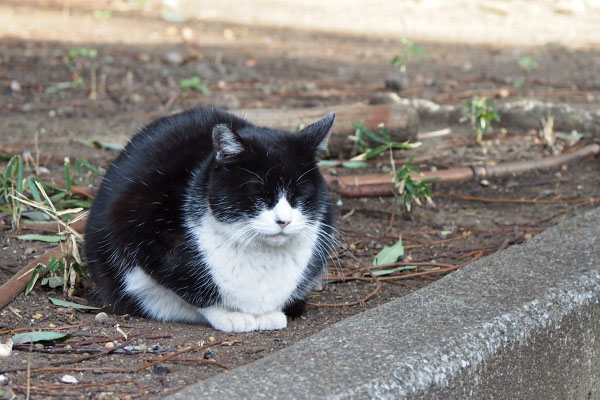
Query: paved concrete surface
{"type": "Point", "coordinates": [519, 324]}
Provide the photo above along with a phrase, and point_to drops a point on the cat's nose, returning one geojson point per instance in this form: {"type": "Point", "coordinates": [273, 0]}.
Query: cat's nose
{"type": "Point", "coordinates": [282, 223]}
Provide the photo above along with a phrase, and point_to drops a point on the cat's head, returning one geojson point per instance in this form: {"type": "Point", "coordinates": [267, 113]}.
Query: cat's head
{"type": "Point", "coordinates": [265, 184]}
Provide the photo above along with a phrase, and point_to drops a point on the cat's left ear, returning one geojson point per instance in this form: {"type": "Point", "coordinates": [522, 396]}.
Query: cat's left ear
{"type": "Point", "coordinates": [317, 134]}
{"type": "Point", "coordinates": [227, 144]}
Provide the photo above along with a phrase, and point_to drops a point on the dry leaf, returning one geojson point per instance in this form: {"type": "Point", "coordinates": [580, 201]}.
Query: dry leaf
{"type": "Point", "coordinates": [231, 341]}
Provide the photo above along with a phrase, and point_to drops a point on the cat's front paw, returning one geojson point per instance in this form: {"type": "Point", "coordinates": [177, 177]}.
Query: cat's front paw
{"type": "Point", "coordinates": [229, 321]}
{"type": "Point", "coordinates": [271, 321]}
{"type": "Point", "coordinates": [236, 322]}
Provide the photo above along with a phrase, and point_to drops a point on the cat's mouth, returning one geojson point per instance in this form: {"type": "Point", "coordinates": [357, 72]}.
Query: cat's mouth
{"type": "Point", "coordinates": [278, 238]}
{"type": "Point", "coordinates": [277, 235]}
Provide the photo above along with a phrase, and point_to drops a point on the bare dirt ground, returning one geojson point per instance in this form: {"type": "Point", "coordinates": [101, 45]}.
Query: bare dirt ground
{"type": "Point", "coordinates": [281, 55]}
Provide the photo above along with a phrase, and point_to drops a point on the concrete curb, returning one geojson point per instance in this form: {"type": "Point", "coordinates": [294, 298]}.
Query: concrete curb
{"type": "Point", "coordinates": [523, 323]}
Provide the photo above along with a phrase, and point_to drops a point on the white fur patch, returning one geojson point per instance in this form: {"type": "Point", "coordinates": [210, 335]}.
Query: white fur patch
{"type": "Point", "coordinates": [156, 300]}
{"type": "Point", "coordinates": [256, 264]}
{"type": "Point", "coordinates": [229, 321]}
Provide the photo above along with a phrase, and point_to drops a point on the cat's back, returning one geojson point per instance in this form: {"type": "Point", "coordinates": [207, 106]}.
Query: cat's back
{"type": "Point", "coordinates": [144, 187]}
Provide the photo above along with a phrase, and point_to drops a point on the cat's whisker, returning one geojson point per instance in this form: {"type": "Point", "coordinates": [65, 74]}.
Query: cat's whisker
{"type": "Point", "coordinates": [306, 172]}
{"type": "Point", "coordinates": [253, 173]}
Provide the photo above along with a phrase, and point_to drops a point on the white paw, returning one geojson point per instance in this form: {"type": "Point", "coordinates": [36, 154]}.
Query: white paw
{"type": "Point", "coordinates": [229, 321]}
{"type": "Point", "coordinates": [274, 320]}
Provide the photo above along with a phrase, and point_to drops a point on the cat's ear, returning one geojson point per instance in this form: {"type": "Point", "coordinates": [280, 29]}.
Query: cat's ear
{"type": "Point", "coordinates": [317, 134]}
{"type": "Point", "coordinates": [227, 144]}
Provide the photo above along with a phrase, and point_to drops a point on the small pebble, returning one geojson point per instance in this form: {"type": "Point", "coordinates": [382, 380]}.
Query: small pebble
{"type": "Point", "coordinates": [160, 370]}
{"type": "Point", "coordinates": [397, 82]}
{"type": "Point", "coordinates": [109, 345]}
{"type": "Point", "coordinates": [68, 379]}
{"type": "Point", "coordinates": [30, 250]}
{"type": "Point", "coordinates": [174, 57]}
{"type": "Point", "coordinates": [209, 355]}
{"type": "Point", "coordinates": [15, 86]}
{"type": "Point", "coordinates": [101, 318]}
{"type": "Point", "coordinates": [3, 380]}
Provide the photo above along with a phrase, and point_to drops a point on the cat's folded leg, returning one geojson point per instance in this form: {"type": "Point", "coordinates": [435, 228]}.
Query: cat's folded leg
{"type": "Point", "coordinates": [270, 321]}
{"type": "Point", "coordinates": [229, 321]}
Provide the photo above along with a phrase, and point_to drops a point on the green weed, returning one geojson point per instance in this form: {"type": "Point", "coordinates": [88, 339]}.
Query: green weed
{"type": "Point", "coordinates": [409, 191]}
{"type": "Point", "coordinates": [196, 84]}
{"type": "Point", "coordinates": [480, 112]}
{"type": "Point", "coordinates": [101, 14]}
{"type": "Point", "coordinates": [527, 65]}
{"type": "Point", "coordinates": [410, 52]}
{"type": "Point", "coordinates": [35, 200]}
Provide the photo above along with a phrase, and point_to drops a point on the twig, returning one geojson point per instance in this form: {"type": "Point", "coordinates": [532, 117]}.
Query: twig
{"type": "Point", "coordinates": [435, 271]}
{"type": "Point", "coordinates": [435, 243]}
{"type": "Point", "coordinates": [29, 371]}
{"type": "Point", "coordinates": [352, 303]}
{"type": "Point", "coordinates": [198, 360]}
{"type": "Point", "coordinates": [585, 200]}
{"type": "Point", "coordinates": [175, 354]}
{"type": "Point", "coordinates": [60, 328]}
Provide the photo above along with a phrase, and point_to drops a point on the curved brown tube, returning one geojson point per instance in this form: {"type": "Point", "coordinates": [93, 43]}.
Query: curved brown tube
{"type": "Point", "coordinates": [381, 184]}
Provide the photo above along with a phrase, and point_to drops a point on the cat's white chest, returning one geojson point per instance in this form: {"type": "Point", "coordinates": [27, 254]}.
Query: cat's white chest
{"type": "Point", "coordinates": [253, 279]}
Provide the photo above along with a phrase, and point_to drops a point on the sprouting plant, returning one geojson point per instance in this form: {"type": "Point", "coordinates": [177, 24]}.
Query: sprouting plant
{"type": "Point", "coordinates": [410, 51]}
{"type": "Point", "coordinates": [411, 191]}
{"type": "Point", "coordinates": [58, 273]}
{"type": "Point", "coordinates": [480, 112]}
{"type": "Point", "coordinates": [11, 183]}
{"type": "Point", "coordinates": [82, 52]}
{"type": "Point", "coordinates": [385, 140]}
{"type": "Point", "coordinates": [405, 186]}
{"type": "Point", "coordinates": [547, 133]}
{"type": "Point", "coordinates": [194, 83]}
{"type": "Point", "coordinates": [528, 64]}
{"type": "Point", "coordinates": [76, 60]}
{"type": "Point", "coordinates": [101, 14]}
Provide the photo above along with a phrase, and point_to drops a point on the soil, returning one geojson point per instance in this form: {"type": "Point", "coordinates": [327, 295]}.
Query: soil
{"type": "Point", "coordinates": [141, 60]}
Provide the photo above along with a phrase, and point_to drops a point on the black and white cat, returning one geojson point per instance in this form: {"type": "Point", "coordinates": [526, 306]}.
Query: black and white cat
{"type": "Point", "coordinates": [207, 218]}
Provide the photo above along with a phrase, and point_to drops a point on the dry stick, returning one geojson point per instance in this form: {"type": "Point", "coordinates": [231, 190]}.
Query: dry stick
{"type": "Point", "coordinates": [382, 185]}
{"type": "Point", "coordinates": [81, 190]}
{"type": "Point", "coordinates": [198, 360]}
{"type": "Point", "coordinates": [175, 354]}
{"type": "Point", "coordinates": [435, 271]}
{"type": "Point", "coordinates": [80, 359]}
{"type": "Point", "coordinates": [385, 266]}
{"type": "Point", "coordinates": [415, 246]}
{"type": "Point", "coordinates": [364, 299]}
{"type": "Point", "coordinates": [83, 369]}
{"type": "Point", "coordinates": [49, 387]}
{"type": "Point", "coordinates": [18, 283]}
{"type": "Point", "coordinates": [60, 328]}
{"type": "Point", "coordinates": [352, 303]}
{"type": "Point", "coordinates": [584, 200]}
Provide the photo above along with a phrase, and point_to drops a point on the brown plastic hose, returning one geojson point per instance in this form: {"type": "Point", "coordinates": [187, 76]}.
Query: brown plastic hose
{"type": "Point", "coordinates": [382, 184]}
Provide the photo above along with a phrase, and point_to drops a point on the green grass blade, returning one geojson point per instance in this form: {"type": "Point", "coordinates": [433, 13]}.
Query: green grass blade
{"type": "Point", "coordinates": [34, 277]}
{"type": "Point", "coordinates": [34, 191]}
{"type": "Point", "coordinates": [41, 238]}
{"type": "Point", "coordinates": [63, 303]}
